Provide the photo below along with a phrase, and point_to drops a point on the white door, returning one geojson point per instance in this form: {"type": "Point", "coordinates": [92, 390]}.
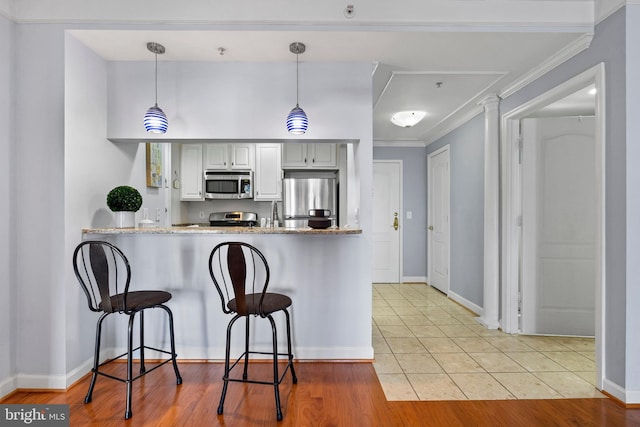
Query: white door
{"type": "Point", "coordinates": [559, 226]}
{"type": "Point", "coordinates": [386, 221]}
{"type": "Point", "coordinates": [438, 230]}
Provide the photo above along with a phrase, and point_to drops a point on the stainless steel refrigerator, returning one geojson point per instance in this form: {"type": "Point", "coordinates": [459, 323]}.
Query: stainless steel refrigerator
{"type": "Point", "coordinates": [304, 192]}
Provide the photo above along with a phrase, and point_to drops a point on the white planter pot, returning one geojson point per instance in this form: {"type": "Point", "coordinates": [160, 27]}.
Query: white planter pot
{"type": "Point", "coordinates": [125, 219]}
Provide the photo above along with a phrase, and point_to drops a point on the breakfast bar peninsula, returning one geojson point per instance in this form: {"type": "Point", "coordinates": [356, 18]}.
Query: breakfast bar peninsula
{"type": "Point", "coordinates": [316, 268]}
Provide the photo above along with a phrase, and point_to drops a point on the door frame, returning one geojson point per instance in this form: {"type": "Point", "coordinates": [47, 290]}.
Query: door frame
{"type": "Point", "coordinates": [430, 215]}
{"type": "Point", "coordinates": [511, 190]}
{"type": "Point", "coordinates": [400, 213]}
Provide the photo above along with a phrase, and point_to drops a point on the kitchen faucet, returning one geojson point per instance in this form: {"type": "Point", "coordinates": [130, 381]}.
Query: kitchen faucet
{"type": "Point", "coordinates": [274, 213]}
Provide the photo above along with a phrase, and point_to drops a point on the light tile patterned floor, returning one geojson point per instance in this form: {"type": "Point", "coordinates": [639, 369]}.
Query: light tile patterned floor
{"type": "Point", "coordinates": [428, 347]}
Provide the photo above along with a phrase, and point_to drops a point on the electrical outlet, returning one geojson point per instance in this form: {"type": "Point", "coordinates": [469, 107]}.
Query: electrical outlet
{"type": "Point", "coordinates": [157, 214]}
{"type": "Point", "coordinates": [201, 215]}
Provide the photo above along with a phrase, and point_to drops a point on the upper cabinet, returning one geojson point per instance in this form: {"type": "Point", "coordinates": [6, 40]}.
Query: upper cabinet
{"type": "Point", "coordinates": [237, 156]}
{"type": "Point", "coordinates": [268, 173]}
{"type": "Point", "coordinates": [191, 172]}
{"type": "Point", "coordinates": [307, 155]}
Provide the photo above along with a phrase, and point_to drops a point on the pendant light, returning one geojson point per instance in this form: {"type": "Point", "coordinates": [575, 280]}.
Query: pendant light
{"type": "Point", "coordinates": [155, 121]}
{"type": "Point", "coordinates": [297, 119]}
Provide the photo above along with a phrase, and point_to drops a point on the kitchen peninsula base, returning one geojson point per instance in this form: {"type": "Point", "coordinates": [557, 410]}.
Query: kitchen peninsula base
{"type": "Point", "coordinates": [321, 272]}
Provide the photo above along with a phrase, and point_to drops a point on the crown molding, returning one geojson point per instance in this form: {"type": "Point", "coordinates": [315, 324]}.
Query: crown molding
{"type": "Point", "coordinates": [509, 15]}
{"type": "Point", "coordinates": [606, 8]}
{"type": "Point", "coordinates": [552, 62]}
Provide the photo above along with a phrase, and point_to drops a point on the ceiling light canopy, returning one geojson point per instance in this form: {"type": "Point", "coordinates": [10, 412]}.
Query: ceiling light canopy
{"type": "Point", "coordinates": [297, 121]}
{"type": "Point", "coordinates": [406, 119]}
{"type": "Point", "coordinates": [155, 121]}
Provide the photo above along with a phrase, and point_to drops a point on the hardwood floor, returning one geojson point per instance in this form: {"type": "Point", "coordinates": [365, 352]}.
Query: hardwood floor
{"type": "Point", "coordinates": [327, 394]}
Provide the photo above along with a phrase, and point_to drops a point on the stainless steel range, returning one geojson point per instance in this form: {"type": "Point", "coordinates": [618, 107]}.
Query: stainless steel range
{"type": "Point", "coordinates": [233, 219]}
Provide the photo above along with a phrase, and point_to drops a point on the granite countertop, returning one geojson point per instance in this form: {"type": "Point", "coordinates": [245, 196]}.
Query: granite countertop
{"type": "Point", "coordinates": [221, 230]}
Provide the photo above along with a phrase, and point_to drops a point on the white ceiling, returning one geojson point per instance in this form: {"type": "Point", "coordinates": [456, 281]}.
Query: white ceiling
{"type": "Point", "coordinates": [473, 48]}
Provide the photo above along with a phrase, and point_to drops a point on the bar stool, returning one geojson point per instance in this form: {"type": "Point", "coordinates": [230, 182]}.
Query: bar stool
{"type": "Point", "coordinates": [104, 275]}
{"type": "Point", "coordinates": [241, 275]}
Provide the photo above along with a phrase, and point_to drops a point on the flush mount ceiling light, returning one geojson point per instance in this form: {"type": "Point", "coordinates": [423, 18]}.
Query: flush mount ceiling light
{"type": "Point", "coordinates": [155, 121]}
{"type": "Point", "coordinates": [297, 119]}
{"type": "Point", "coordinates": [406, 119]}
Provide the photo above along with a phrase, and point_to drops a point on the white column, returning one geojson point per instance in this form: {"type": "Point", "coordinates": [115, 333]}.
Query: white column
{"type": "Point", "coordinates": [491, 295]}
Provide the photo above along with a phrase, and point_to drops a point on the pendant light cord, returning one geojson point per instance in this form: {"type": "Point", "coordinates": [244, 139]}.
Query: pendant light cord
{"type": "Point", "coordinates": [156, 78]}
{"type": "Point", "coordinates": [297, 73]}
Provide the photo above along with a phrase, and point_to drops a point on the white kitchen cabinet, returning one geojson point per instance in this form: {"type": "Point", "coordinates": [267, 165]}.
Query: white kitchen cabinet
{"type": "Point", "coordinates": [303, 156]}
{"type": "Point", "coordinates": [268, 172]}
{"type": "Point", "coordinates": [218, 156]}
{"type": "Point", "coordinates": [191, 172]}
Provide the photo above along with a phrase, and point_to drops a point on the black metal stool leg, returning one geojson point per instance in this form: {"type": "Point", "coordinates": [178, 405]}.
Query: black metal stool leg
{"type": "Point", "coordinates": [246, 349]}
{"type": "Point", "coordinates": [227, 356]}
{"type": "Point", "coordinates": [129, 381]}
{"type": "Point", "coordinates": [276, 378]}
{"type": "Point", "coordinates": [96, 358]}
{"type": "Point", "coordinates": [142, 369]}
{"type": "Point", "coordinates": [173, 345]}
{"type": "Point", "coordinates": [290, 353]}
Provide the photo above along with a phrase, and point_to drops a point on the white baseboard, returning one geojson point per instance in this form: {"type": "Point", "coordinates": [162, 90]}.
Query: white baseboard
{"type": "Point", "coordinates": [77, 373]}
{"type": "Point", "coordinates": [629, 397]}
{"type": "Point", "coordinates": [466, 303]}
{"type": "Point", "coordinates": [54, 382]}
{"type": "Point", "coordinates": [614, 390]}
{"type": "Point", "coordinates": [633, 397]}
{"type": "Point", "coordinates": [8, 386]}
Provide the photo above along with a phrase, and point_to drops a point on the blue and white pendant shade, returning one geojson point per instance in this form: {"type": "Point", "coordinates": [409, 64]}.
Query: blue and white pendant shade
{"type": "Point", "coordinates": [155, 121]}
{"type": "Point", "coordinates": [297, 121]}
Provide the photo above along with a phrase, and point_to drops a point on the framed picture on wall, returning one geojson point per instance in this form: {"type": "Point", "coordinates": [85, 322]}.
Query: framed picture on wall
{"type": "Point", "coordinates": [154, 164]}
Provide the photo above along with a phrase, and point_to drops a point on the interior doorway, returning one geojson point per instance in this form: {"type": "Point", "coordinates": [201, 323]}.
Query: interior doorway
{"type": "Point", "coordinates": [438, 231]}
{"type": "Point", "coordinates": [559, 225]}
{"type": "Point", "coordinates": [387, 227]}
{"type": "Point", "coordinates": [513, 185]}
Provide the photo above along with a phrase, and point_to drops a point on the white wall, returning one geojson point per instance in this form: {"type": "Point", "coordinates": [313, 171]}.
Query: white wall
{"type": "Point", "coordinates": [632, 198]}
{"type": "Point", "coordinates": [7, 211]}
{"type": "Point", "coordinates": [39, 250]}
{"type": "Point", "coordinates": [236, 100]}
{"type": "Point", "coordinates": [90, 160]}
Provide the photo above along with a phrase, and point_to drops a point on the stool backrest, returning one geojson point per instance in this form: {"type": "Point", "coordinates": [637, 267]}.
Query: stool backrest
{"type": "Point", "coordinates": [104, 274]}
{"type": "Point", "coordinates": [238, 269]}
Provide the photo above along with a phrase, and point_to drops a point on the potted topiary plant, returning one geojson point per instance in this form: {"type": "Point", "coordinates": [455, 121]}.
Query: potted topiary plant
{"type": "Point", "coordinates": [125, 201]}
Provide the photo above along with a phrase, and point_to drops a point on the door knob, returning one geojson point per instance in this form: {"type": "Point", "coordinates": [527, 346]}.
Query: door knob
{"type": "Point", "coordinates": [395, 221]}
{"type": "Point", "coordinates": [431, 228]}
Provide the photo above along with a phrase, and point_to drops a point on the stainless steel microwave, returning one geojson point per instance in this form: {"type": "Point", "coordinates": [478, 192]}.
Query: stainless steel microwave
{"type": "Point", "coordinates": [228, 185]}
